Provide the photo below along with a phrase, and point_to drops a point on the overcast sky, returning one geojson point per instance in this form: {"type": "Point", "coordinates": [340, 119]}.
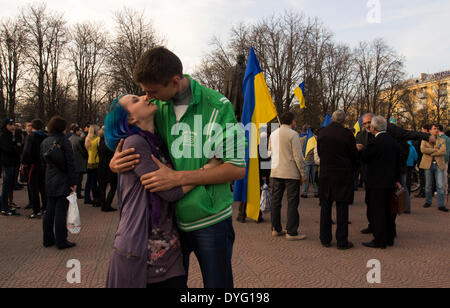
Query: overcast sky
{"type": "Point", "coordinates": [417, 29]}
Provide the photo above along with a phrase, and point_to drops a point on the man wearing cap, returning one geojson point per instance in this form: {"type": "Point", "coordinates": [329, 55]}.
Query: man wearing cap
{"type": "Point", "coordinates": [9, 159]}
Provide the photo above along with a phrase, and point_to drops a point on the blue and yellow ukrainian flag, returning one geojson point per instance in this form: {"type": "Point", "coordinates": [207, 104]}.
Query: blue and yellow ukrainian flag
{"type": "Point", "coordinates": [310, 143]}
{"type": "Point", "coordinates": [358, 126]}
{"type": "Point", "coordinates": [393, 121]}
{"type": "Point", "coordinates": [326, 121]}
{"type": "Point", "coordinates": [258, 109]}
{"type": "Point", "coordinates": [300, 93]}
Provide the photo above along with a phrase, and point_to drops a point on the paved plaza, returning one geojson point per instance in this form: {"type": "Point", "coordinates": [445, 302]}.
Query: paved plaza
{"type": "Point", "coordinates": [420, 258]}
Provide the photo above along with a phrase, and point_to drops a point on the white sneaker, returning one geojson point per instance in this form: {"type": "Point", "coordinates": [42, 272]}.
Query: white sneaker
{"type": "Point", "coordinates": [299, 237]}
{"type": "Point", "coordinates": [276, 233]}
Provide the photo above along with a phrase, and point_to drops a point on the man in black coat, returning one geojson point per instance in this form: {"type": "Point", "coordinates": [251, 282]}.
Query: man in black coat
{"type": "Point", "coordinates": [338, 162]}
{"type": "Point", "coordinates": [384, 167]}
{"type": "Point", "coordinates": [9, 160]}
{"type": "Point", "coordinates": [31, 159]}
{"type": "Point", "coordinates": [400, 135]}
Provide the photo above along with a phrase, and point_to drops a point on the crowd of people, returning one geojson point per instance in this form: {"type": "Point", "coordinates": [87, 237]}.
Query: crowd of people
{"type": "Point", "coordinates": [172, 206]}
{"type": "Point", "coordinates": [24, 162]}
{"type": "Point", "coordinates": [382, 157]}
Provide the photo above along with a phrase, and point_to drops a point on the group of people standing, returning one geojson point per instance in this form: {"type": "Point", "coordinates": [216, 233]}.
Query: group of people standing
{"type": "Point", "coordinates": [384, 155]}
{"type": "Point", "coordinates": [48, 181]}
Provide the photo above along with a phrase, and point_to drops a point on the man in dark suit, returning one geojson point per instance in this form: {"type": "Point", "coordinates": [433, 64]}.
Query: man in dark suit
{"type": "Point", "coordinates": [401, 135]}
{"type": "Point", "coordinates": [384, 166]}
{"type": "Point", "coordinates": [337, 151]}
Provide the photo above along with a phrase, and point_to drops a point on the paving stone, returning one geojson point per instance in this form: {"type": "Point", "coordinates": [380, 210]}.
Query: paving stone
{"type": "Point", "coordinates": [419, 259]}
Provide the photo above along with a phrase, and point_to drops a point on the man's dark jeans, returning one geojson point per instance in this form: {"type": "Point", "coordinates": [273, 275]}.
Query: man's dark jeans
{"type": "Point", "coordinates": [79, 177]}
{"type": "Point", "coordinates": [326, 223]}
{"type": "Point", "coordinates": [293, 199]}
{"type": "Point", "coordinates": [213, 248]}
{"type": "Point", "coordinates": [8, 186]}
{"type": "Point", "coordinates": [55, 218]}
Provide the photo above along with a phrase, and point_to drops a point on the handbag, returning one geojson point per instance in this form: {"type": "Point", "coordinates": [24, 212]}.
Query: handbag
{"type": "Point", "coordinates": [55, 155]}
{"type": "Point", "coordinates": [398, 201]}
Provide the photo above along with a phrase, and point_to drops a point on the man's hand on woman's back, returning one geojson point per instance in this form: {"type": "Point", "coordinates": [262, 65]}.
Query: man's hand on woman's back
{"type": "Point", "coordinates": [123, 161]}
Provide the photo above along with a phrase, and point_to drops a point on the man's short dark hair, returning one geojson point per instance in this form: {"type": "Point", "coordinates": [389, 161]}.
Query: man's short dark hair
{"type": "Point", "coordinates": [57, 125]}
{"type": "Point", "coordinates": [37, 124]}
{"type": "Point", "coordinates": [157, 66]}
{"type": "Point", "coordinates": [287, 118]}
{"type": "Point", "coordinates": [435, 125]}
{"type": "Point", "coordinates": [440, 127]}
{"type": "Point", "coordinates": [426, 127]}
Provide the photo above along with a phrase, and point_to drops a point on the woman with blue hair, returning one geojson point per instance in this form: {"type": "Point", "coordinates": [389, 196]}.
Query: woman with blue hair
{"type": "Point", "coordinates": [147, 250]}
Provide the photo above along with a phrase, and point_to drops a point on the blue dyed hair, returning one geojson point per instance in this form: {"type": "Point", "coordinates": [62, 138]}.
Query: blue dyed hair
{"type": "Point", "coordinates": [116, 125]}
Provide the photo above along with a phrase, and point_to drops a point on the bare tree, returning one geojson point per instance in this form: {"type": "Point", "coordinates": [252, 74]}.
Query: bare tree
{"type": "Point", "coordinates": [339, 71]}
{"type": "Point", "coordinates": [379, 67]}
{"type": "Point", "coordinates": [44, 40]}
{"type": "Point", "coordinates": [134, 36]}
{"type": "Point", "coordinates": [87, 52]}
{"type": "Point", "coordinates": [12, 47]}
{"type": "Point", "coordinates": [439, 99]}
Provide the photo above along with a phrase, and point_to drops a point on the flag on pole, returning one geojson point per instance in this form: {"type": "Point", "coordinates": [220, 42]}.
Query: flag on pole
{"type": "Point", "coordinates": [310, 143]}
{"type": "Point", "coordinates": [300, 93]}
{"type": "Point", "coordinates": [327, 121]}
{"type": "Point", "coordinates": [358, 126]}
{"type": "Point", "coordinates": [258, 109]}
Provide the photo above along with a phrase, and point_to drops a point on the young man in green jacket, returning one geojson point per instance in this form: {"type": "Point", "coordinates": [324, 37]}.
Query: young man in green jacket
{"type": "Point", "coordinates": [197, 124]}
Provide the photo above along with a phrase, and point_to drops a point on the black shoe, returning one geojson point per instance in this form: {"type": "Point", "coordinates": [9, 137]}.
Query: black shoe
{"type": "Point", "coordinates": [427, 205]}
{"type": "Point", "coordinates": [10, 213]}
{"type": "Point", "coordinates": [241, 220]}
{"type": "Point", "coordinates": [304, 196]}
{"type": "Point", "coordinates": [260, 220]}
{"type": "Point", "coordinates": [443, 209]}
{"type": "Point", "coordinates": [28, 207]}
{"type": "Point", "coordinates": [67, 245]}
{"type": "Point", "coordinates": [366, 231]}
{"type": "Point", "coordinates": [328, 245]}
{"type": "Point", "coordinates": [348, 246]}
{"type": "Point", "coordinates": [420, 195]}
{"type": "Point", "coordinates": [373, 245]}
{"type": "Point", "coordinates": [407, 212]}
{"type": "Point", "coordinates": [316, 196]}
{"type": "Point", "coordinates": [109, 209]}
{"type": "Point", "coordinates": [48, 245]}
{"type": "Point", "coordinates": [34, 216]}
{"type": "Point", "coordinates": [390, 244]}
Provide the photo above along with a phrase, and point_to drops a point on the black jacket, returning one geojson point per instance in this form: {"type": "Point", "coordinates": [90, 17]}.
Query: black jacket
{"type": "Point", "coordinates": [9, 150]}
{"type": "Point", "coordinates": [57, 181]}
{"type": "Point", "coordinates": [105, 155]}
{"type": "Point", "coordinates": [32, 150]}
{"type": "Point", "coordinates": [336, 147]}
{"type": "Point", "coordinates": [383, 159]}
{"type": "Point", "coordinates": [402, 136]}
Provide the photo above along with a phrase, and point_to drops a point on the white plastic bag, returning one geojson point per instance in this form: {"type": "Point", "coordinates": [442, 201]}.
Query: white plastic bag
{"type": "Point", "coordinates": [73, 215]}
{"type": "Point", "coordinates": [266, 199]}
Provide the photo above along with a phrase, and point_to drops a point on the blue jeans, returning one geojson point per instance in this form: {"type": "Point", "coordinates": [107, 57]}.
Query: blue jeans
{"type": "Point", "coordinates": [438, 174]}
{"type": "Point", "coordinates": [213, 248]}
{"type": "Point", "coordinates": [310, 175]}
{"type": "Point", "coordinates": [8, 186]}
